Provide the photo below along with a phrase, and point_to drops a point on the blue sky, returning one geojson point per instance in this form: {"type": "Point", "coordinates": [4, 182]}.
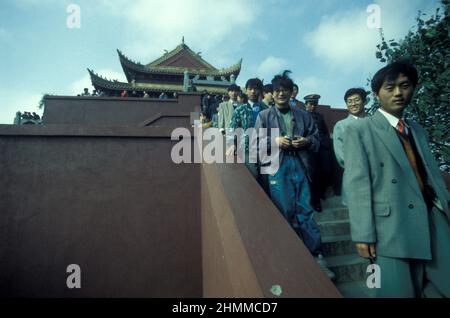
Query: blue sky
{"type": "Point", "coordinates": [327, 44]}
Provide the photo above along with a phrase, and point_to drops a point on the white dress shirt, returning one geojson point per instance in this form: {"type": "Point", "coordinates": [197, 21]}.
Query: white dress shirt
{"type": "Point", "coordinates": [393, 121]}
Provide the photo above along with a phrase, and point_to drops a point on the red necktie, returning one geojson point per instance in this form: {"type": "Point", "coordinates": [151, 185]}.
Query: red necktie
{"type": "Point", "coordinates": [401, 127]}
{"type": "Point", "coordinates": [410, 154]}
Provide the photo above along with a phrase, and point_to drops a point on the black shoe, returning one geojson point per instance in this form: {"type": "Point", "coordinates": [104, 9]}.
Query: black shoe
{"type": "Point", "coordinates": [317, 207]}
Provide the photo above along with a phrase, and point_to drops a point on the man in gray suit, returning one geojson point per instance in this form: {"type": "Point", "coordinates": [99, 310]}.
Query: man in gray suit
{"type": "Point", "coordinates": [226, 109]}
{"type": "Point", "coordinates": [397, 199]}
{"type": "Point", "coordinates": [355, 99]}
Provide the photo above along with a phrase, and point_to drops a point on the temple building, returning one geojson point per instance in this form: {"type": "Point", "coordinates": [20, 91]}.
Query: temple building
{"type": "Point", "coordinates": [181, 70]}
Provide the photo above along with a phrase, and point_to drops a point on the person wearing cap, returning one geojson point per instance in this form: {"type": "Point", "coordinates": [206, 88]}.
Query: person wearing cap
{"type": "Point", "coordinates": [322, 159]}
{"type": "Point", "coordinates": [244, 116]}
{"type": "Point", "coordinates": [397, 198]}
{"type": "Point", "coordinates": [227, 108]}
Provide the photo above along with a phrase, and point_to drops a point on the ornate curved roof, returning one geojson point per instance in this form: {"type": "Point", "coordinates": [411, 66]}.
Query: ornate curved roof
{"type": "Point", "coordinates": [142, 77]}
{"type": "Point", "coordinates": [158, 66]}
{"type": "Point", "coordinates": [102, 83]}
{"type": "Point", "coordinates": [182, 48]}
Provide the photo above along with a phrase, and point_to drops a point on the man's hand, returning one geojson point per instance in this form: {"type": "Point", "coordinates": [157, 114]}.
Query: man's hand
{"type": "Point", "coordinates": [230, 151]}
{"type": "Point", "coordinates": [300, 142]}
{"type": "Point", "coordinates": [283, 142]}
{"type": "Point", "coordinates": [366, 250]}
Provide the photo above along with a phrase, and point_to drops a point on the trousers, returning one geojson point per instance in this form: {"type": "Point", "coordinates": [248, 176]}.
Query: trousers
{"type": "Point", "coordinates": [414, 278]}
{"type": "Point", "coordinates": [290, 192]}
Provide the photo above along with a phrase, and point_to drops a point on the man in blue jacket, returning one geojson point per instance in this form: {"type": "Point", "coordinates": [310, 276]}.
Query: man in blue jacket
{"type": "Point", "coordinates": [289, 186]}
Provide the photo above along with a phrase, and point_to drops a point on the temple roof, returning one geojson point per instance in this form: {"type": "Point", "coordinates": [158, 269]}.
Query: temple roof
{"type": "Point", "coordinates": [176, 62]}
{"type": "Point", "coordinates": [182, 50]}
{"type": "Point", "coordinates": [167, 73]}
{"type": "Point", "coordinates": [100, 82]}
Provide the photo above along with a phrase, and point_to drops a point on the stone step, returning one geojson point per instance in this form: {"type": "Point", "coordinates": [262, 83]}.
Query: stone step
{"type": "Point", "coordinates": [348, 268]}
{"type": "Point", "coordinates": [334, 228]}
{"type": "Point", "coordinates": [331, 214]}
{"type": "Point", "coordinates": [332, 202]}
{"type": "Point", "coordinates": [357, 289]}
{"type": "Point", "coordinates": [338, 245]}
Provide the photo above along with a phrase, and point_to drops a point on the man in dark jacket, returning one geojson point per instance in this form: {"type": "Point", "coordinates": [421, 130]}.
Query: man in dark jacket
{"type": "Point", "coordinates": [322, 159]}
{"type": "Point", "coordinates": [289, 186]}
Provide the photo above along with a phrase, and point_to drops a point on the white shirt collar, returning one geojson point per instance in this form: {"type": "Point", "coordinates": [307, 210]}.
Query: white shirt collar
{"type": "Point", "coordinates": [393, 121]}
{"type": "Point", "coordinates": [251, 103]}
{"type": "Point", "coordinates": [355, 117]}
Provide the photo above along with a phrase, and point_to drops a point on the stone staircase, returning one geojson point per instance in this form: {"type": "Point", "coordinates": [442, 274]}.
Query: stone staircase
{"type": "Point", "coordinates": [340, 251]}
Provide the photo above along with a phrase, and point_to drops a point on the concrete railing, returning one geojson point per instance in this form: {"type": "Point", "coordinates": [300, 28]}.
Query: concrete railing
{"type": "Point", "coordinates": [248, 248]}
{"type": "Point", "coordinates": [116, 111]}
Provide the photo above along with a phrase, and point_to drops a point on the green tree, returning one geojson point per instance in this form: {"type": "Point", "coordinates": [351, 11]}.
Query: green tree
{"type": "Point", "coordinates": [427, 46]}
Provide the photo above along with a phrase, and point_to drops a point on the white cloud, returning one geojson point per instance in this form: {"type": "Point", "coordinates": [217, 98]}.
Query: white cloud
{"type": "Point", "coordinates": [78, 86]}
{"type": "Point", "coordinates": [271, 66]}
{"type": "Point", "coordinates": [310, 85]}
{"type": "Point", "coordinates": [31, 4]}
{"type": "Point", "coordinates": [160, 24]}
{"type": "Point", "coordinates": [346, 43]}
{"type": "Point", "coordinates": [316, 85]}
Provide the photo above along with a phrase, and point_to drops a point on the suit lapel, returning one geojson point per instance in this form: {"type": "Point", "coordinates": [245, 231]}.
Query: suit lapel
{"type": "Point", "coordinates": [273, 118]}
{"type": "Point", "coordinates": [230, 109]}
{"type": "Point", "coordinates": [418, 140]}
{"type": "Point", "coordinates": [389, 138]}
{"type": "Point", "coordinates": [421, 145]}
{"type": "Point", "coordinates": [422, 148]}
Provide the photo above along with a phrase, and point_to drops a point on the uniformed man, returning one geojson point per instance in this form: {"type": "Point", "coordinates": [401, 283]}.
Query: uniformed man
{"type": "Point", "coordinates": [322, 159]}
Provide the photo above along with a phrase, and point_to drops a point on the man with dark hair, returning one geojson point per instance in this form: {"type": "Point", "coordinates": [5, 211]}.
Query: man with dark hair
{"type": "Point", "coordinates": [294, 102]}
{"type": "Point", "coordinates": [289, 186]}
{"type": "Point", "coordinates": [86, 92]}
{"type": "Point", "coordinates": [244, 116]}
{"type": "Point", "coordinates": [397, 198]}
{"type": "Point", "coordinates": [206, 101]}
{"type": "Point", "coordinates": [227, 108]}
{"type": "Point", "coordinates": [268, 95]}
{"type": "Point", "coordinates": [391, 72]}
{"type": "Point", "coordinates": [321, 159]}
{"type": "Point", "coordinates": [355, 99]}
{"type": "Point", "coordinates": [242, 98]}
